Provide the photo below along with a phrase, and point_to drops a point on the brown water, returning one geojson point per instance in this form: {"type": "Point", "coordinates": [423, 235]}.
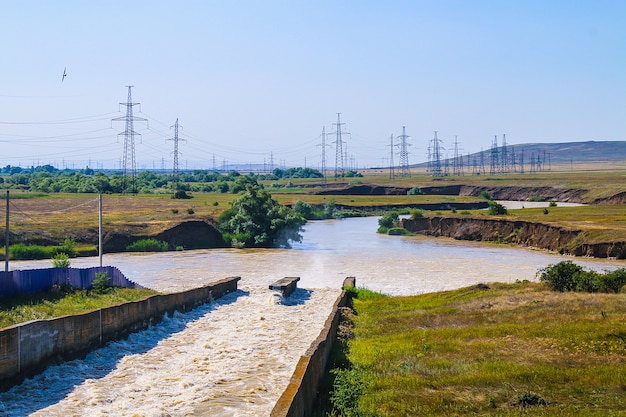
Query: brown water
{"type": "Point", "coordinates": [234, 357]}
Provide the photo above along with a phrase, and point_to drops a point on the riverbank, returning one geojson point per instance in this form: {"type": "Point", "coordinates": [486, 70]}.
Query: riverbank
{"type": "Point", "coordinates": [488, 349]}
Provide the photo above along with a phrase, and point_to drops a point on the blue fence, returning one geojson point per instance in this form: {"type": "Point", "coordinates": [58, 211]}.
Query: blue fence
{"type": "Point", "coordinates": [30, 281]}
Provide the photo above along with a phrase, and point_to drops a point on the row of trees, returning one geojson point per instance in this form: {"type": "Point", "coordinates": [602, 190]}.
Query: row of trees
{"type": "Point", "coordinates": [49, 179]}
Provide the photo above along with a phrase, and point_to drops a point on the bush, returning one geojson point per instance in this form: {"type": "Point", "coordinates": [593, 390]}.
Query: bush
{"type": "Point", "coordinates": [560, 277]}
{"type": "Point", "coordinates": [399, 231]}
{"type": "Point", "coordinates": [102, 283]}
{"type": "Point", "coordinates": [148, 245]}
{"type": "Point", "coordinates": [190, 210]}
{"type": "Point", "coordinates": [484, 194]}
{"type": "Point", "coordinates": [567, 276]}
{"type": "Point", "coordinates": [415, 191]}
{"type": "Point", "coordinates": [21, 251]}
{"type": "Point", "coordinates": [552, 203]}
{"type": "Point", "coordinates": [181, 195]}
{"type": "Point", "coordinates": [417, 214]}
{"type": "Point", "coordinates": [496, 209]}
{"type": "Point", "coordinates": [68, 247]}
{"type": "Point", "coordinates": [61, 260]}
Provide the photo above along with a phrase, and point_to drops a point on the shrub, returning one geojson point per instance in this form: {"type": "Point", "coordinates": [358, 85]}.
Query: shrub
{"type": "Point", "coordinates": [347, 388]}
{"type": "Point", "coordinates": [148, 245]}
{"type": "Point", "coordinates": [174, 211]}
{"type": "Point", "coordinates": [465, 212]}
{"type": "Point", "coordinates": [552, 203]}
{"type": "Point", "coordinates": [181, 195]}
{"type": "Point", "coordinates": [61, 260]}
{"type": "Point", "coordinates": [484, 194]}
{"type": "Point", "coordinates": [190, 210]}
{"type": "Point", "coordinates": [389, 220]}
{"type": "Point", "coordinates": [102, 283]}
{"type": "Point", "coordinates": [545, 211]}
{"type": "Point", "coordinates": [68, 247]}
{"type": "Point", "coordinates": [560, 277]}
{"type": "Point", "coordinates": [496, 209]}
{"type": "Point", "coordinates": [417, 214]}
{"type": "Point", "coordinates": [21, 251]}
{"type": "Point", "coordinates": [415, 191]}
{"type": "Point", "coordinates": [399, 231]}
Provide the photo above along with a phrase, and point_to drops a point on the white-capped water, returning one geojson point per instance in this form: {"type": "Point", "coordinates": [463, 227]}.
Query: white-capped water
{"type": "Point", "coordinates": [235, 356]}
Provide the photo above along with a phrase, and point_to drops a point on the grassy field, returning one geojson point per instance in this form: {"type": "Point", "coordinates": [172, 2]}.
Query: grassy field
{"type": "Point", "coordinates": [51, 304]}
{"type": "Point", "coordinates": [498, 350]}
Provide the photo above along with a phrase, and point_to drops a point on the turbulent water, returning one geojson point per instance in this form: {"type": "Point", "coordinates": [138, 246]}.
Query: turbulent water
{"type": "Point", "coordinates": [234, 357]}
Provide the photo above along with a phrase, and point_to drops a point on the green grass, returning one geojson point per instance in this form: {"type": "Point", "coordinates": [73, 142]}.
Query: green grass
{"type": "Point", "coordinates": [489, 350]}
{"type": "Point", "coordinates": [50, 304]}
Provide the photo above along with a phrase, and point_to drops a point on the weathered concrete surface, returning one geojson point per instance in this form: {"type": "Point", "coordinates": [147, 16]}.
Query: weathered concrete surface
{"type": "Point", "coordinates": [300, 395]}
{"type": "Point", "coordinates": [28, 348]}
{"type": "Point", "coordinates": [286, 285]}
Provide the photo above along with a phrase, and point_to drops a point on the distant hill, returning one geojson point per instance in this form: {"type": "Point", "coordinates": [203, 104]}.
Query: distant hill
{"type": "Point", "coordinates": [564, 152]}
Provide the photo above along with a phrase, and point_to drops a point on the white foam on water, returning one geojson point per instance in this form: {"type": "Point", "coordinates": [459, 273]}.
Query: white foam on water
{"type": "Point", "coordinates": [233, 357]}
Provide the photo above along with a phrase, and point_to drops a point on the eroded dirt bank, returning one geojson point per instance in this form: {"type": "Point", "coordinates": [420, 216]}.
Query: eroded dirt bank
{"type": "Point", "coordinates": [537, 235]}
{"type": "Point", "coordinates": [516, 193]}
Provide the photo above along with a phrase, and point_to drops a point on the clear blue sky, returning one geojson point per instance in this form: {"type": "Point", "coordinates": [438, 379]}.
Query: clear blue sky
{"type": "Point", "coordinates": [250, 80]}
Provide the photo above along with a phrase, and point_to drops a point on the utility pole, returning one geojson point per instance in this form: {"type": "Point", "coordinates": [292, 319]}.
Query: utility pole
{"type": "Point", "coordinates": [175, 169]}
{"type": "Point", "coordinates": [404, 154]}
{"type": "Point", "coordinates": [129, 143]}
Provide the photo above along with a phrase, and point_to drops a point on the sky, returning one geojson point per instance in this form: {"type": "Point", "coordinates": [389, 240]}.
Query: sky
{"type": "Point", "coordinates": [256, 81]}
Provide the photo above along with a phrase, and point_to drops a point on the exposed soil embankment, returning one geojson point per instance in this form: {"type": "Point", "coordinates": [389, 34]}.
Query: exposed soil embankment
{"type": "Point", "coordinates": [569, 195]}
{"type": "Point", "coordinates": [538, 235]}
{"type": "Point", "coordinates": [191, 234]}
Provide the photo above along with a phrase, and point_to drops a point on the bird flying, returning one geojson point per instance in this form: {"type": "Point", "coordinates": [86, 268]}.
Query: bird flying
{"type": "Point", "coordinates": [64, 74]}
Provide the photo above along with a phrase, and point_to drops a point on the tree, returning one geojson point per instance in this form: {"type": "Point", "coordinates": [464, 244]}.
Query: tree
{"type": "Point", "coordinates": [257, 220]}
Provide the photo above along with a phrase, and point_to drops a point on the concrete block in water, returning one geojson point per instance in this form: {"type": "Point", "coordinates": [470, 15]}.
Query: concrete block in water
{"type": "Point", "coordinates": [286, 285]}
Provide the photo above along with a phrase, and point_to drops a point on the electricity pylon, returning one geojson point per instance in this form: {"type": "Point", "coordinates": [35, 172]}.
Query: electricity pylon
{"type": "Point", "coordinates": [129, 144]}
{"type": "Point", "coordinates": [176, 153]}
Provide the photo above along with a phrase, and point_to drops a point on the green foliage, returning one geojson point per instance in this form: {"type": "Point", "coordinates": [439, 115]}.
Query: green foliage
{"type": "Point", "coordinates": [347, 389]}
{"type": "Point", "coordinates": [304, 209]}
{"type": "Point", "coordinates": [61, 260]}
{"type": "Point", "coordinates": [174, 211]}
{"type": "Point", "coordinates": [399, 231]}
{"type": "Point", "coordinates": [190, 210]}
{"type": "Point", "coordinates": [257, 220]}
{"type": "Point", "coordinates": [330, 210]}
{"type": "Point", "coordinates": [181, 195]}
{"type": "Point", "coordinates": [465, 212]}
{"type": "Point", "coordinates": [102, 283]}
{"type": "Point", "coordinates": [560, 277]}
{"type": "Point", "coordinates": [485, 195]}
{"type": "Point", "coordinates": [20, 251]}
{"type": "Point", "coordinates": [415, 191]}
{"type": "Point", "coordinates": [417, 214]}
{"type": "Point", "coordinates": [148, 245]}
{"type": "Point", "coordinates": [545, 211]}
{"type": "Point", "coordinates": [568, 276]}
{"type": "Point", "coordinates": [388, 221]}
{"type": "Point", "coordinates": [496, 209]}
{"type": "Point", "coordinates": [527, 399]}
{"type": "Point", "coordinates": [552, 203]}
{"type": "Point", "coordinates": [68, 247]}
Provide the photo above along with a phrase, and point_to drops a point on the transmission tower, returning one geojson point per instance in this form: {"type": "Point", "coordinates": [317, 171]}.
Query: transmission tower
{"type": "Point", "coordinates": [129, 144]}
{"type": "Point", "coordinates": [504, 158]}
{"type": "Point", "coordinates": [324, 145]}
{"type": "Point", "coordinates": [404, 153]}
{"type": "Point", "coordinates": [175, 169]}
{"type": "Point", "coordinates": [391, 173]}
{"type": "Point", "coordinates": [457, 162]}
{"type": "Point", "coordinates": [495, 159]}
{"type": "Point", "coordinates": [435, 168]}
{"type": "Point", "coordinates": [339, 156]}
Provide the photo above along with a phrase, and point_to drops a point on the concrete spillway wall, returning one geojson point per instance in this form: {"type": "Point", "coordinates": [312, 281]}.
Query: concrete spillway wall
{"type": "Point", "coordinates": [27, 349]}
{"type": "Point", "coordinates": [299, 397]}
